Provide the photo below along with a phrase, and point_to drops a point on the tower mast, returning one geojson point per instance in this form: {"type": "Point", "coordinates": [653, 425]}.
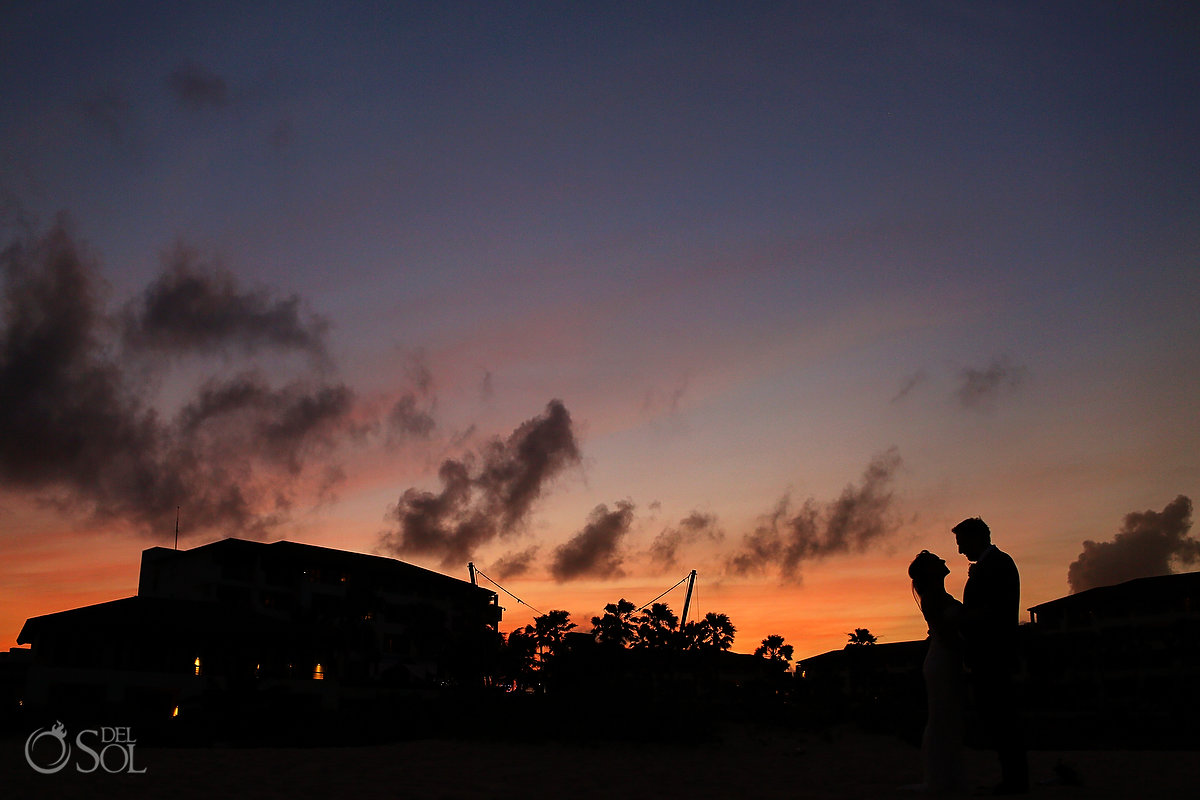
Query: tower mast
{"type": "Point", "coordinates": [687, 600]}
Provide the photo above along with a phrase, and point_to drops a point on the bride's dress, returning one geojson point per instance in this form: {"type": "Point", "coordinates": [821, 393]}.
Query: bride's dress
{"type": "Point", "coordinates": [942, 744]}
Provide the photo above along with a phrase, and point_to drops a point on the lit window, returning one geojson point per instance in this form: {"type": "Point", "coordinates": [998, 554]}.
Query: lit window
{"type": "Point", "coordinates": [196, 663]}
{"type": "Point", "coordinates": [318, 673]}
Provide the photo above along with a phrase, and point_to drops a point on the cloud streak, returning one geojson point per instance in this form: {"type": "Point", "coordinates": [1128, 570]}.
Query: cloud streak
{"type": "Point", "coordinates": [695, 527]}
{"type": "Point", "coordinates": [76, 429]}
{"type": "Point", "coordinates": [405, 420]}
{"type": "Point", "coordinates": [861, 517]}
{"type": "Point", "coordinates": [980, 388]}
{"type": "Point", "coordinates": [515, 564]}
{"type": "Point", "coordinates": [484, 496]}
{"type": "Point", "coordinates": [196, 87]}
{"type": "Point", "coordinates": [197, 307]}
{"type": "Point", "coordinates": [411, 415]}
{"type": "Point", "coordinates": [910, 383]}
{"type": "Point", "coordinates": [1146, 545]}
{"type": "Point", "coordinates": [595, 552]}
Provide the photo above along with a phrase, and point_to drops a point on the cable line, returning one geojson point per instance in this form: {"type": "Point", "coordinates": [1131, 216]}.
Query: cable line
{"type": "Point", "coordinates": [478, 571]}
{"type": "Point", "coordinates": [681, 580]}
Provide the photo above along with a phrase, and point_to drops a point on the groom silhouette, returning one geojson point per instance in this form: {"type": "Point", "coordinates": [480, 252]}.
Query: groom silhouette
{"type": "Point", "coordinates": [992, 600]}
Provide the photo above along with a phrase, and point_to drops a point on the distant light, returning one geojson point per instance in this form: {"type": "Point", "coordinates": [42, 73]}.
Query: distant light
{"type": "Point", "coordinates": [318, 673]}
{"type": "Point", "coordinates": [197, 664]}
{"type": "Point", "coordinates": [175, 711]}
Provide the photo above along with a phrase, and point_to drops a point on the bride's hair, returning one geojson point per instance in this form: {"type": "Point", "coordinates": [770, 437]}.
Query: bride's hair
{"type": "Point", "coordinates": [927, 572]}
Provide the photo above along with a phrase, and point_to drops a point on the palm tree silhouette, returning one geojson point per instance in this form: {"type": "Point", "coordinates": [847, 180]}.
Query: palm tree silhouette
{"type": "Point", "coordinates": [657, 627]}
{"type": "Point", "coordinates": [617, 627]}
{"type": "Point", "coordinates": [716, 631]}
{"type": "Point", "coordinates": [690, 636]}
{"type": "Point", "coordinates": [773, 649]}
{"type": "Point", "coordinates": [547, 631]}
{"type": "Point", "coordinates": [861, 636]}
{"type": "Point", "coordinates": [516, 657]}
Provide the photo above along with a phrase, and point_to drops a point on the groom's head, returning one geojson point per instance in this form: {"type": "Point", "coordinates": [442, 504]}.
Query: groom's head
{"type": "Point", "coordinates": [973, 537]}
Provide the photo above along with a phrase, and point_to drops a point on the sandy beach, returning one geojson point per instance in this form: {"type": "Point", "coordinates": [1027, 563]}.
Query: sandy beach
{"type": "Point", "coordinates": [746, 761]}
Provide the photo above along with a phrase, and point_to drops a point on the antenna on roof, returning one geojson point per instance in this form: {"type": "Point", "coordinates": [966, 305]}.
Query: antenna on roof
{"type": "Point", "coordinates": [176, 527]}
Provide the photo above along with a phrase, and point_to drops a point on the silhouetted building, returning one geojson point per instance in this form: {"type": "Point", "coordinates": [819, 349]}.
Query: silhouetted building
{"type": "Point", "coordinates": [863, 671]}
{"type": "Point", "coordinates": [14, 674]}
{"type": "Point", "coordinates": [1114, 664]}
{"type": "Point", "coordinates": [1122, 658]}
{"type": "Point", "coordinates": [1156, 601]}
{"type": "Point", "coordinates": [236, 617]}
{"type": "Point", "coordinates": [879, 685]}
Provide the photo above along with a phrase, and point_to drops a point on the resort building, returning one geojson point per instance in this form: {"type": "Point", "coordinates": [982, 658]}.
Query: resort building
{"type": "Point", "coordinates": [236, 617]}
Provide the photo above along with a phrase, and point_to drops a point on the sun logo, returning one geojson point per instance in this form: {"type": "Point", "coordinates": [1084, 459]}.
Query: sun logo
{"type": "Point", "coordinates": [58, 732]}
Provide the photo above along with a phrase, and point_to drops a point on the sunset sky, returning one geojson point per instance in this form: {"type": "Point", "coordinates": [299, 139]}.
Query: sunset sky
{"type": "Point", "coordinates": [596, 294]}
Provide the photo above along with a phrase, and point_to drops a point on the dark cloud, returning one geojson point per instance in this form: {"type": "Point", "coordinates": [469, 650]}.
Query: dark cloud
{"type": "Point", "coordinates": [446, 523]}
{"type": "Point", "coordinates": [910, 383]}
{"type": "Point", "coordinates": [63, 405]}
{"type": "Point", "coordinates": [282, 425]}
{"type": "Point", "coordinates": [76, 430]}
{"type": "Point", "coordinates": [196, 87]}
{"type": "Point", "coordinates": [861, 517]}
{"type": "Point", "coordinates": [419, 373]}
{"type": "Point", "coordinates": [1146, 545]}
{"type": "Point", "coordinates": [515, 471]}
{"type": "Point", "coordinates": [197, 307]}
{"type": "Point", "coordinates": [411, 416]}
{"type": "Point", "coordinates": [512, 565]}
{"type": "Point", "coordinates": [695, 527]}
{"type": "Point", "coordinates": [475, 505]}
{"type": "Point", "coordinates": [594, 552]}
{"type": "Point", "coordinates": [979, 388]}
{"type": "Point", "coordinates": [406, 420]}
{"type": "Point", "coordinates": [657, 400]}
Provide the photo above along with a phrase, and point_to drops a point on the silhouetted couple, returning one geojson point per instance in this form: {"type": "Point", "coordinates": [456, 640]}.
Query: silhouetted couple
{"type": "Point", "coordinates": [979, 633]}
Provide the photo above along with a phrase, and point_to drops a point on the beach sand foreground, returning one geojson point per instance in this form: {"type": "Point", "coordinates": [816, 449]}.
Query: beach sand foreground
{"type": "Point", "coordinates": [747, 762]}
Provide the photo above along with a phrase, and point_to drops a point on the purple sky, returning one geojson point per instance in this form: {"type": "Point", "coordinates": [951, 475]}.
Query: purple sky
{"type": "Point", "coordinates": [752, 248]}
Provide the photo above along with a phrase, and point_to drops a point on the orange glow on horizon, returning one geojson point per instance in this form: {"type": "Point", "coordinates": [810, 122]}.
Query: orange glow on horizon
{"type": "Point", "coordinates": [813, 616]}
{"type": "Point", "coordinates": [834, 597]}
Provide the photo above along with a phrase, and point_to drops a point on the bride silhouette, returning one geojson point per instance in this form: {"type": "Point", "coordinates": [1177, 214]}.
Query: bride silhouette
{"type": "Point", "coordinates": [945, 687]}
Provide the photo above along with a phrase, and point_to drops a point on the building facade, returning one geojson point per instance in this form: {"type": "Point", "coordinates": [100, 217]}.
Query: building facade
{"type": "Point", "coordinates": [236, 618]}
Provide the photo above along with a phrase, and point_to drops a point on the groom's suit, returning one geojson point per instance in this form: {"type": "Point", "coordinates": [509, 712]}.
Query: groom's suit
{"type": "Point", "coordinates": [992, 599]}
